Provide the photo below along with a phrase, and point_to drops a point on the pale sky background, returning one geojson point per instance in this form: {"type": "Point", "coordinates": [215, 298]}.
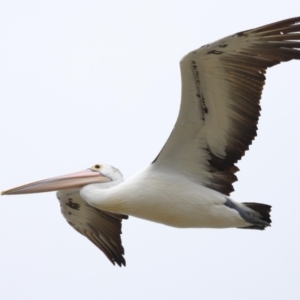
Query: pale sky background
{"type": "Point", "coordinates": [85, 82]}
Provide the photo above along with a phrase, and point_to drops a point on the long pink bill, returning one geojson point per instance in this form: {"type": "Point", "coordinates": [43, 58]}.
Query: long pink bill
{"type": "Point", "coordinates": [70, 181]}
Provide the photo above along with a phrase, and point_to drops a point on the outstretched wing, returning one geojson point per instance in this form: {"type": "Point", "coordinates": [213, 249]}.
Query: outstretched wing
{"type": "Point", "coordinates": [222, 84]}
{"type": "Point", "coordinates": [102, 228]}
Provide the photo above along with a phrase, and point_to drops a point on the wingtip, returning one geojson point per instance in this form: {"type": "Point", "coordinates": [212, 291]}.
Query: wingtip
{"type": "Point", "coordinates": [121, 263]}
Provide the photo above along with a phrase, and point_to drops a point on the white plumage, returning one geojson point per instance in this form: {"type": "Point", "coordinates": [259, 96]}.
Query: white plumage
{"type": "Point", "coordinates": [189, 182]}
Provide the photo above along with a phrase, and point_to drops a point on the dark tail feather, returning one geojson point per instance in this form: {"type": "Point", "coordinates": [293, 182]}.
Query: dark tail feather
{"type": "Point", "coordinates": [264, 211]}
{"type": "Point", "coordinates": [256, 214]}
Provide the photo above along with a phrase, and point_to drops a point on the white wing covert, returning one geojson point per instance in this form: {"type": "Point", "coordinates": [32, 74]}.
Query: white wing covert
{"type": "Point", "coordinates": [221, 89]}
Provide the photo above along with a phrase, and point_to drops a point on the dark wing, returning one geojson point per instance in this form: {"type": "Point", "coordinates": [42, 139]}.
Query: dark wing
{"type": "Point", "coordinates": [102, 228]}
{"type": "Point", "coordinates": [221, 89]}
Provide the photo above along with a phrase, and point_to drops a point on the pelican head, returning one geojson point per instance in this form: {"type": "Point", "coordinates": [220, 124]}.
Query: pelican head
{"type": "Point", "coordinates": [98, 174]}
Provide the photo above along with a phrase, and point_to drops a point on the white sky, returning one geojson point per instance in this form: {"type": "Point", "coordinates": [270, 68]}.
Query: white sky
{"type": "Point", "coordinates": [85, 82]}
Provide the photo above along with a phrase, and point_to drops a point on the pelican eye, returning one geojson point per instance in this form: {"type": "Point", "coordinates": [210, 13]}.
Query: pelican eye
{"type": "Point", "coordinates": [97, 167]}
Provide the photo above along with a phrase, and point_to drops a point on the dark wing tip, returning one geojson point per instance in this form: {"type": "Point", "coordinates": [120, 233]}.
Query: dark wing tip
{"type": "Point", "coordinates": [245, 69]}
{"type": "Point", "coordinates": [102, 228]}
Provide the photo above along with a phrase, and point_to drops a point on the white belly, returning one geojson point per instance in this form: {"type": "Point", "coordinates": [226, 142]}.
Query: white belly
{"type": "Point", "coordinates": [166, 199]}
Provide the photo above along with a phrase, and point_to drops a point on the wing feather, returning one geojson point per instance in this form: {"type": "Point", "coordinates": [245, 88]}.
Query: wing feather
{"type": "Point", "coordinates": [103, 229]}
{"type": "Point", "coordinates": [222, 85]}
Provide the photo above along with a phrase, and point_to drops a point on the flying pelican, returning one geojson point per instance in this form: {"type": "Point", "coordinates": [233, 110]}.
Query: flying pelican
{"type": "Point", "coordinates": [189, 182]}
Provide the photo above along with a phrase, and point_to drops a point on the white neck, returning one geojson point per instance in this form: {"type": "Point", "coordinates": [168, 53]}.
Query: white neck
{"type": "Point", "coordinates": [99, 194]}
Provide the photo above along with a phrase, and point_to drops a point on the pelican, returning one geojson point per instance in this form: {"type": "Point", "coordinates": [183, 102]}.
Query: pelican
{"type": "Point", "coordinates": [188, 184]}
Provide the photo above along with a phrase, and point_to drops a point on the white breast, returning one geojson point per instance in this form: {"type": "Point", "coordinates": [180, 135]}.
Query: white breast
{"type": "Point", "coordinates": [165, 198]}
